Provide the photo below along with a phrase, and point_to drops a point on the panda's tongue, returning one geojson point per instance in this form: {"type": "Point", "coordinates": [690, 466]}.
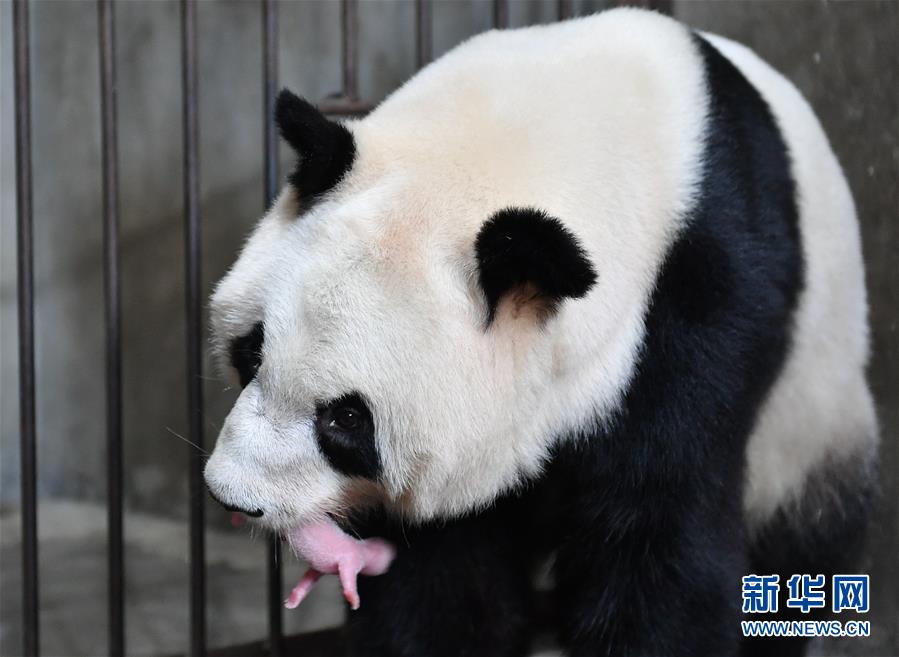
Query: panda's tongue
{"type": "Point", "coordinates": [330, 551]}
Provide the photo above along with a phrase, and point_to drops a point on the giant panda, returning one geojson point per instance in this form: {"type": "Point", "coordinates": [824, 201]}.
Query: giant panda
{"type": "Point", "coordinates": [588, 294]}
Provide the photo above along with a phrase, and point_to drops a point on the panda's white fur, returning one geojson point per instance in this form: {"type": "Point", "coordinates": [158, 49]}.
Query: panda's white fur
{"type": "Point", "coordinates": [598, 121]}
{"type": "Point", "coordinates": [820, 409]}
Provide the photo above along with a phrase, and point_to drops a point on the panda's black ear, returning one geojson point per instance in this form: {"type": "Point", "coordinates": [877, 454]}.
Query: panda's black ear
{"type": "Point", "coordinates": [525, 250]}
{"type": "Point", "coordinates": [325, 149]}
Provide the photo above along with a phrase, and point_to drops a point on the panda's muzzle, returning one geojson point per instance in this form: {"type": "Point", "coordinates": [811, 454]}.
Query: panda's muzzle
{"type": "Point", "coordinates": [253, 513]}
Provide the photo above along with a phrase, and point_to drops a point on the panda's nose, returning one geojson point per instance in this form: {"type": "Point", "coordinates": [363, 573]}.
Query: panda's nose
{"type": "Point", "coordinates": [253, 513]}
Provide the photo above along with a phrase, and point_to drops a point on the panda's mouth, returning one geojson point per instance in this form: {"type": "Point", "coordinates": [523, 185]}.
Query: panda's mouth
{"type": "Point", "coordinates": [329, 551]}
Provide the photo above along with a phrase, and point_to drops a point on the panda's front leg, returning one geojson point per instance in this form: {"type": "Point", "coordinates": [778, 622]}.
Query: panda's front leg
{"type": "Point", "coordinates": [458, 588]}
{"type": "Point", "coordinates": [650, 565]}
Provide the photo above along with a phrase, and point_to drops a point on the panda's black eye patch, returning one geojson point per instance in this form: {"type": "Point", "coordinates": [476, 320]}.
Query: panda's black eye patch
{"type": "Point", "coordinates": [346, 435]}
{"type": "Point", "coordinates": [246, 354]}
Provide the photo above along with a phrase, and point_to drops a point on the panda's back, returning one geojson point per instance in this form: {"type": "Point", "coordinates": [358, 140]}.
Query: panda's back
{"type": "Point", "coordinates": [820, 411]}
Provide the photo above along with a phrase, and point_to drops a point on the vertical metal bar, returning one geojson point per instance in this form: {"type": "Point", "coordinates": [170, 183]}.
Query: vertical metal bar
{"type": "Point", "coordinates": [349, 34]}
{"type": "Point", "coordinates": [500, 14]}
{"type": "Point", "coordinates": [424, 31]}
{"type": "Point", "coordinates": [25, 292]}
{"type": "Point", "coordinates": [270, 141]}
{"type": "Point", "coordinates": [661, 6]}
{"type": "Point", "coordinates": [564, 9]}
{"type": "Point", "coordinates": [111, 278]}
{"type": "Point", "coordinates": [269, 91]}
{"type": "Point", "coordinates": [194, 324]}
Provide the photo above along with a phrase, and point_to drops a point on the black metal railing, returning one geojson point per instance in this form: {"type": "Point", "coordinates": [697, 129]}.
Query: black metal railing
{"type": "Point", "coordinates": [347, 102]}
{"type": "Point", "coordinates": [113, 318]}
{"type": "Point", "coordinates": [274, 580]}
{"type": "Point", "coordinates": [25, 300]}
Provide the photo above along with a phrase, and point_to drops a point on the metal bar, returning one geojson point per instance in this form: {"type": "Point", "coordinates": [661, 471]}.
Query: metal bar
{"type": "Point", "coordinates": [269, 91]}
{"type": "Point", "coordinates": [270, 141]}
{"type": "Point", "coordinates": [275, 598]}
{"type": "Point", "coordinates": [112, 306]}
{"type": "Point", "coordinates": [349, 35]}
{"type": "Point", "coordinates": [25, 294]}
{"type": "Point", "coordinates": [661, 6]}
{"type": "Point", "coordinates": [500, 14]}
{"type": "Point", "coordinates": [564, 9]}
{"type": "Point", "coordinates": [194, 324]}
{"type": "Point", "coordinates": [424, 33]}
{"type": "Point", "coordinates": [344, 107]}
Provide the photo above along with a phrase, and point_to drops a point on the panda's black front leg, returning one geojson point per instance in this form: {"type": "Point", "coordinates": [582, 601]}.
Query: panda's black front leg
{"type": "Point", "coordinates": [456, 589]}
{"type": "Point", "coordinates": [651, 560]}
{"type": "Point", "coordinates": [650, 570]}
{"type": "Point", "coordinates": [652, 544]}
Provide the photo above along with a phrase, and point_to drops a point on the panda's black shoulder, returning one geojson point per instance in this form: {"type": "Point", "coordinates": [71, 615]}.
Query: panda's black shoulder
{"type": "Point", "coordinates": [741, 242]}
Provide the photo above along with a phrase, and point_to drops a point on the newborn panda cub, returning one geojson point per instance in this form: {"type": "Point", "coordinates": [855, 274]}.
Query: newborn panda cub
{"type": "Point", "coordinates": [588, 295]}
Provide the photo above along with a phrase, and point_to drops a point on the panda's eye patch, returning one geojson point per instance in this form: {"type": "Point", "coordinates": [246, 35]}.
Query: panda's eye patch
{"type": "Point", "coordinates": [346, 435]}
{"type": "Point", "coordinates": [246, 354]}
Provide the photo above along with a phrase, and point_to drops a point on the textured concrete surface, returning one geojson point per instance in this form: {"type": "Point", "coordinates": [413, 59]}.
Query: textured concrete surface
{"type": "Point", "coordinates": [73, 585]}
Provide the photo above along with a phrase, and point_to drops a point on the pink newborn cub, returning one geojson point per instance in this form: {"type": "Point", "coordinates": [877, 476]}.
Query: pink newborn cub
{"type": "Point", "coordinates": [329, 550]}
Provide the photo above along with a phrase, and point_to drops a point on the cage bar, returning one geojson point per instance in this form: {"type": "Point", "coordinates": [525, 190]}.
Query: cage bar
{"type": "Point", "coordinates": [500, 14]}
{"type": "Point", "coordinates": [661, 6]}
{"type": "Point", "coordinates": [269, 92]}
{"type": "Point", "coordinates": [112, 312]}
{"type": "Point", "coordinates": [424, 33]}
{"type": "Point", "coordinates": [564, 9]}
{"type": "Point", "coordinates": [349, 38]}
{"type": "Point", "coordinates": [344, 107]}
{"type": "Point", "coordinates": [191, 182]}
{"type": "Point", "coordinates": [274, 577]}
{"type": "Point", "coordinates": [25, 297]}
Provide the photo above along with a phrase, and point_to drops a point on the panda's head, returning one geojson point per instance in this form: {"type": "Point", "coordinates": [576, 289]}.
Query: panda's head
{"type": "Point", "coordinates": [392, 323]}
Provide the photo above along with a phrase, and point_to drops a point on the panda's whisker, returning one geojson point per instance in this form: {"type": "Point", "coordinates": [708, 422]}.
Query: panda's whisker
{"type": "Point", "coordinates": [403, 529]}
{"type": "Point", "coordinates": [192, 444]}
